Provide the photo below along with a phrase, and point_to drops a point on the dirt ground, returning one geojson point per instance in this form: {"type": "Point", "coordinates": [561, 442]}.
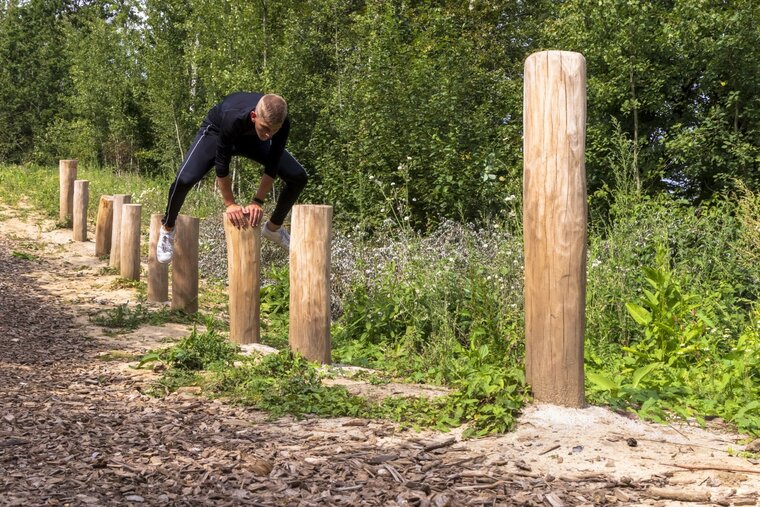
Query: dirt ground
{"type": "Point", "coordinates": [76, 427]}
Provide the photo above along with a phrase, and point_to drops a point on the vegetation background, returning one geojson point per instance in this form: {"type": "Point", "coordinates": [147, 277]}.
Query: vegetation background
{"type": "Point", "coordinates": [408, 117]}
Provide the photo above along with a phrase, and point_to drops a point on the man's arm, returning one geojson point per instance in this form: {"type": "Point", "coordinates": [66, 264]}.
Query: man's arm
{"type": "Point", "coordinates": [255, 209]}
{"type": "Point", "coordinates": [233, 210]}
{"type": "Point", "coordinates": [225, 186]}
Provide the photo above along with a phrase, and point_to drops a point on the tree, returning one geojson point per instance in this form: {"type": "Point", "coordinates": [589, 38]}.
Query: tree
{"type": "Point", "coordinates": [33, 73]}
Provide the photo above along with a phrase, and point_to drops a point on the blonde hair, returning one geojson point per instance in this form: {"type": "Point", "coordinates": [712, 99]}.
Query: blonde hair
{"type": "Point", "coordinates": [273, 109]}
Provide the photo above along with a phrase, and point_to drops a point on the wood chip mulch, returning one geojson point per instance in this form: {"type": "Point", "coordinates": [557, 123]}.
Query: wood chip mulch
{"type": "Point", "coordinates": [75, 431]}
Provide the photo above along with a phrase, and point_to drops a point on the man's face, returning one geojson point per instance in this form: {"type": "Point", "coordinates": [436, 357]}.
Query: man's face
{"type": "Point", "coordinates": [264, 129]}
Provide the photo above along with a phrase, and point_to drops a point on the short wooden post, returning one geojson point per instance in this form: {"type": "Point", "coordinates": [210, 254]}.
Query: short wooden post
{"type": "Point", "coordinates": [554, 188]}
{"type": "Point", "coordinates": [185, 264]}
{"type": "Point", "coordinates": [130, 241]}
{"type": "Point", "coordinates": [310, 282]}
{"type": "Point", "coordinates": [67, 172]}
{"type": "Point", "coordinates": [243, 268]}
{"type": "Point", "coordinates": [79, 212]}
{"type": "Point", "coordinates": [119, 200]}
{"type": "Point", "coordinates": [103, 226]}
{"type": "Point", "coordinates": [158, 274]}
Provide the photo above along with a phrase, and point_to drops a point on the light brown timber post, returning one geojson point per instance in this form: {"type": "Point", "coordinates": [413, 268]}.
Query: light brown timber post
{"type": "Point", "coordinates": [67, 173]}
{"type": "Point", "coordinates": [129, 264]}
{"type": "Point", "coordinates": [554, 214]}
{"type": "Point", "coordinates": [119, 200]}
{"type": "Point", "coordinates": [79, 210]}
{"type": "Point", "coordinates": [185, 265]}
{"type": "Point", "coordinates": [310, 282]}
{"type": "Point", "coordinates": [103, 226]}
{"type": "Point", "coordinates": [243, 269]}
{"type": "Point", "coordinates": [158, 274]}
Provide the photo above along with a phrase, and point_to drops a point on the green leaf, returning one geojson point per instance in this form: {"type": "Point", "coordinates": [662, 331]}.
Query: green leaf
{"type": "Point", "coordinates": [639, 313]}
{"type": "Point", "coordinates": [602, 381]}
{"type": "Point", "coordinates": [642, 372]}
{"type": "Point", "coordinates": [749, 407]}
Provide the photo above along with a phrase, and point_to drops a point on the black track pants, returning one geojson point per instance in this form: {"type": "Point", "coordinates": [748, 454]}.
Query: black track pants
{"type": "Point", "coordinates": [200, 160]}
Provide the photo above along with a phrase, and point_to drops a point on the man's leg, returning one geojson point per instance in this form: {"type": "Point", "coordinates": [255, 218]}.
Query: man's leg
{"type": "Point", "coordinates": [294, 176]}
{"type": "Point", "coordinates": [198, 161]}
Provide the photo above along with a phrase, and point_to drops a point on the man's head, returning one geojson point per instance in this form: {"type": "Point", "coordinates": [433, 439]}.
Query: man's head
{"type": "Point", "coordinates": [269, 115]}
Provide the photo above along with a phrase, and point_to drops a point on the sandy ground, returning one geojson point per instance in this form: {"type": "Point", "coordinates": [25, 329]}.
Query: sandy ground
{"type": "Point", "coordinates": [641, 463]}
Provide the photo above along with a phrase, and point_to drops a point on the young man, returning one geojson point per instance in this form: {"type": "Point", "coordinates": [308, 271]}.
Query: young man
{"type": "Point", "coordinates": [255, 126]}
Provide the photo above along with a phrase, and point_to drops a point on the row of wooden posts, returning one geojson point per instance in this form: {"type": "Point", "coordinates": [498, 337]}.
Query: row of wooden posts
{"type": "Point", "coordinates": [118, 236]}
{"type": "Point", "coordinates": [555, 225]}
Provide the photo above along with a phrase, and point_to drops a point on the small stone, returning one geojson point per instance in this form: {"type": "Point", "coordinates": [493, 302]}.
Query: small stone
{"type": "Point", "coordinates": [134, 498]}
{"type": "Point", "coordinates": [632, 442]}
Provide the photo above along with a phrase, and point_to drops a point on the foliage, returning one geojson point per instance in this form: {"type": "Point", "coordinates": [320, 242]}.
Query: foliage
{"type": "Point", "coordinates": [667, 72]}
{"type": "Point", "coordinates": [129, 318]}
{"type": "Point", "coordinates": [274, 308]}
{"type": "Point", "coordinates": [682, 364]}
{"type": "Point", "coordinates": [199, 351]}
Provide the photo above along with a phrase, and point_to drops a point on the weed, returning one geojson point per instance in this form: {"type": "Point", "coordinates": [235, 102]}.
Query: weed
{"type": "Point", "coordinates": [199, 351]}
{"type": "Point", "coordinates": [25, 256]}
{"type": "Point", "coordinates": [108, 270]}
{"type": "Point", "coordinates": [129, 318]}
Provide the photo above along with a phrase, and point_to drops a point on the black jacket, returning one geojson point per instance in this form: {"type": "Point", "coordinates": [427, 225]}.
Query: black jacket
{"type": "Point", "coordinates": [232, 120]}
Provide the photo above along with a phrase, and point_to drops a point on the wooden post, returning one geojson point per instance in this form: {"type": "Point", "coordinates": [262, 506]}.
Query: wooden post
{"type": "Point", "coordinates": [243, 268]}
{"type": "Point", "coordinates": [310, 282]}
{"type": "Point", "coordinates": [185, 265]}
{"type": "Point", "coordinates": [79, 212]}
{"type": "Point", "coordinates": [103, 226]}
{"type": "Point", "coordinates": [67, 172]}
{"type": "Point", "coordinates": [554, 214]}
{"type": "Point", "coordinates": [130, 241]}
{"type": "Point", "coordinates": [119, 200]}
{"type": "Point", "coordinates": [158, 274]}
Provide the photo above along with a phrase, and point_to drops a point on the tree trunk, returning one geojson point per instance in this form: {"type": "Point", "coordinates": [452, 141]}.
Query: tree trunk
{"type": "Point", "coordinates": [158, 274]}
{"type": "Point", "coordinates": [119, 200]}
{"type": "Point", "coordinates": [243, 269]}
{"type": "Point", "coordinates": [67, 171]}
{"type": "Point", "coordinates": [555, 225]}
{"type": "Point", "coordinates": [310, 282]}
{"type": "Point", "coordinates": [185, 265]}
{"type": "Point", "coordinates": [104, 226]}
{"type": "Point", "coordinates": [79, 213]}
{"type": "Point", "coordinates": [129, 263]}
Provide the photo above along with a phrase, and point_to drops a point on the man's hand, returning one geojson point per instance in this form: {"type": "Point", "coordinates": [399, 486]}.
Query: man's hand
{"type": "Point", "coordinates": [254, 213]}
{"type": "Point", "coordinates": [236, 214]}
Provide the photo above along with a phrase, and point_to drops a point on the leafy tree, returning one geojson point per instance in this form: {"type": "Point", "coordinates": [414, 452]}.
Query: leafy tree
{"type": "Point", "coordinates": [33, 72]}
{"type": "Point", "coordinates": [667, 71]}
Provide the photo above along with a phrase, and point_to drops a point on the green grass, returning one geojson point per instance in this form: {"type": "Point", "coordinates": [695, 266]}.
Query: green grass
{"type": "Point", "coordinates": [672, 313]}
{"type": "Point", "coordinates": [38, 186]}
{"type": "Point", "coordinates": [126, 318]}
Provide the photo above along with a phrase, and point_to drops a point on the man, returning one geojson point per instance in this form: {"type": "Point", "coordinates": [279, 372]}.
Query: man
{"type": "Point", "coordinates": [255, 126]}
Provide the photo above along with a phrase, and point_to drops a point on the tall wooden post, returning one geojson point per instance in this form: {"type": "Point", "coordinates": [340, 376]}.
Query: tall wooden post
{"type": "Point", "coordinates": [310, 282]}
{"type": "Point", "coordinates": [243, 269]}
{"type": "Point", "coordinates": [119, 200]}
{"type": "Point", "coordinates": [158, 274]}
{"type": "Point", "coordinates": [103, 226]}
{"type": "Point", "coordinates": [130, 241]}
{"type": "Point", "coordinates": [79, 211]}
{"type": "Point", "coordinates": [554, 188]}
{"type": "Point", "coordinates": [67, 173]}
{"type": "Point", "coordinates": [185, 264]}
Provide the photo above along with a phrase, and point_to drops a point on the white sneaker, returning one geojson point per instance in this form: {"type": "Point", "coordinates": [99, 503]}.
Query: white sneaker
{"type": "Point", "coordinates": [165, 246]}
{"type": "Point", "coordinates": [279, 237]}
